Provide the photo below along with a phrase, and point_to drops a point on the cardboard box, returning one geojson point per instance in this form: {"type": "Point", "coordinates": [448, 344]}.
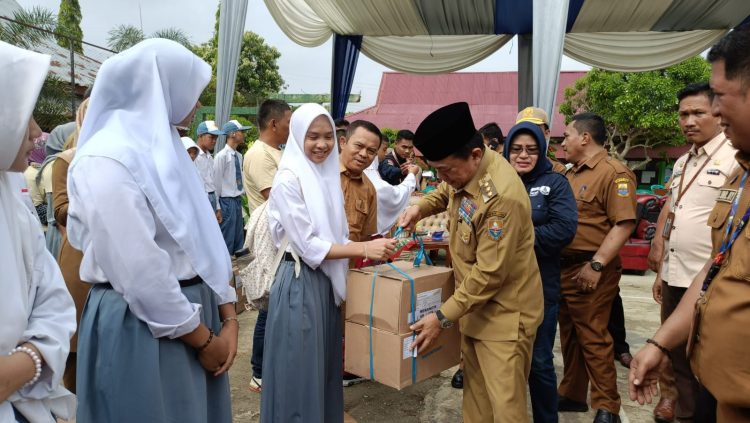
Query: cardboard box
{"type": "Point", "coordinates": [392, 360]}
{"type": "Point", "coordinates": [433, 285]}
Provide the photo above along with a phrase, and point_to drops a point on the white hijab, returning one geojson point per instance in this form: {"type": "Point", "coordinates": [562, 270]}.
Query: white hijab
{"type": "Point", "coordinates": [321, 189]}
{"type": "Point", "coordinates": [22, 243]}
{"type": "Point", "coordinates": [139, 96]}
{"type": "Point", "coordinates": [392, 199]}
{"type": "Point", "coordinates": [23, 73]}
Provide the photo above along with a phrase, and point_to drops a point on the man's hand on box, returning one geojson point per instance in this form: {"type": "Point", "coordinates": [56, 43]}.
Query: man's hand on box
{"type": "Point", "coordinates": [428, 328]}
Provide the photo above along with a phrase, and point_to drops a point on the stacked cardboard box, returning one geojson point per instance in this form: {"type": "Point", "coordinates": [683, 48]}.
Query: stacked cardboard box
{"type": "Point", "coordinates": [393, 363]}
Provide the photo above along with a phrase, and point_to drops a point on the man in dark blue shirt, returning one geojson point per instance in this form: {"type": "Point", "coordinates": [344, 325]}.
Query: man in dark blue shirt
{"type": "Point", "coordinates": [394, 168]}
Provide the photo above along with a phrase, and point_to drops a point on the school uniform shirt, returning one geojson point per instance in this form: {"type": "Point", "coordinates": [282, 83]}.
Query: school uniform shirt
{"type": "Point", "coordinates": [225, 173]}
{"type": "Point", "coordinates": [259, 166]}
{"type": "Point", "coordinates": [360, 204]}
{"type": "Point", "coordinates": [205, 164]}
{"type": "Point", "coordinates": [155, 263]}
{"type": "Point", "coordinates": [689, 243]}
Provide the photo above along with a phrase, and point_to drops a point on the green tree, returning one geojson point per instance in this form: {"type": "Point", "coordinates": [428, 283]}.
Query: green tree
{"type": "Point", "coordinates": [258, 74]}
{"type": "Point", "coordinates": [69, 25]}
{"type": "Point", "coordinates": [123, 37]}
{"type": "Point", "coordinates": [640, 109]}
{"type": "Point", "coordinates": [30, 27]}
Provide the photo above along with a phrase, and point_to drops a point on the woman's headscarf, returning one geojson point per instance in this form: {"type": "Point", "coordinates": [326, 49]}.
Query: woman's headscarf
{"type": "Point", "coordinates": [542, 164]}
{"type": "Point", "coordinates": [39, 153]}
{"type": "Point", "coordinates": [321, 189]}
{"type": "Point", "coordinates": [139, 97]}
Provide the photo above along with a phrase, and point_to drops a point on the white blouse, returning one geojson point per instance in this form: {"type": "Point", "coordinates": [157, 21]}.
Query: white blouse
{"type": "Point", "coordinates": [287, 215]}
{"type": "Point", "coordinates": [35, 307]}
{"type": "Point", "coordinates": [125, 244]}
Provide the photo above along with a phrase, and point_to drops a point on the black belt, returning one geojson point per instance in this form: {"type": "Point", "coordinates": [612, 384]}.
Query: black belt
{"type": "Point", "coordinates": [183, 284]}
{"type": "Point", "coordinates": [571, 259]}
{"type": "Point", "coordinates": [288, 256]}
{"type": "Point", "coordinates": [212, 192]}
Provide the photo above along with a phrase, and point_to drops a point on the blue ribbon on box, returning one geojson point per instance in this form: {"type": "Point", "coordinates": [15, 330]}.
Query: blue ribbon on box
{"type": "Point", "coordinates": [412, 299]}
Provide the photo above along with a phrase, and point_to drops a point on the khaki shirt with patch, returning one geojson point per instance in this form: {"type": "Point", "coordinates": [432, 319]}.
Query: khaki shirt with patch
{"type": "Point", "coordinates": [259, 167]}
{"type": "Point", "coordinates": [498, 287]}
{"type": "Point", "coordinates": [605, 195]}
{"type": "Point", "coordinates": [720, 356]}
{"type": "Point", "coordinates": [361, 206]}
{"type": "Point", "coordinates": [689, 244]}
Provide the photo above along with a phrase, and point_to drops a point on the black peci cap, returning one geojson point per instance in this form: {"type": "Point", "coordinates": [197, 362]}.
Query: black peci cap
{"type": "Point", "coordinates": [445, 131]}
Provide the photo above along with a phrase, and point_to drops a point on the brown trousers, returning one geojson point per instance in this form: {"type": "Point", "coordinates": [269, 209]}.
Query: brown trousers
{"type": "Point", "coordinates": [495, 378]}
{"type": "Point", "coordinates": [677, 382]}
{"type": "Point", "coordinates": [587, 346]}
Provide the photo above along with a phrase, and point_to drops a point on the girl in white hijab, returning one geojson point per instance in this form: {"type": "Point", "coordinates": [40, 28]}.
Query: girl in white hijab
{"type": "Point", "coordinates": [159, 330]}
{"type": "Point", "coordinates": [302, 362]}
{"type": "Point", "coordinates": [37, 316]}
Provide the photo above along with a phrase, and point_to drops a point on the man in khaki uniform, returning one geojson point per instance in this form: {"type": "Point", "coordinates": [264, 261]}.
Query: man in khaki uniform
{"type": "Point", "coordinates": [498, 299]}
{"type": "Point", "coordinates": [715, 311]}
{"type": "Point", "coordinates": [685, 245]}
{"type": "Point", "coordinates": [590, 274]}
{"type": "Point", "coordinates": [358, 149]}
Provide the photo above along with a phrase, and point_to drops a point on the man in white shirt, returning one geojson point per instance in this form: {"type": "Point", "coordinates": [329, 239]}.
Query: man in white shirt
{"type": "Point", "coordinates": [207, 133]}
{"type": "Point", "coordinates": [229, 186]}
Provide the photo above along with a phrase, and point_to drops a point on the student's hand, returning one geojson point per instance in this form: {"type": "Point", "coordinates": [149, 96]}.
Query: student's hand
{"type": "Point", "coordinates": [229, 331]}
{"type": "Point", "coordinates": [218, 216]}
{"type": "Point", "coordinates": [405, 168]}
{"type": "Point", "coordinates": [214, 356]}
{"type": "Point", "coordinates": [414, 169]}
{"type": "Point", "coordinates": [656, 290]}
{"type": "Point", "coordinates": [409, 217]}
{"type": "Point", "coordinates": [15, 371]}
{"type": "Point", "coordinates": [379, 249]}
{"type": "Point", "coordinates": [428, 328]}
{"type": "Point", "coordinates": [588, 279]}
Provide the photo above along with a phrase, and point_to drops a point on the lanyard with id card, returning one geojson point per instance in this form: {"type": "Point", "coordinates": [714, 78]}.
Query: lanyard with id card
{"type": "Point", "coordinates": [669, 222]}
{"type": "Point", "coordinates": [729, 238]}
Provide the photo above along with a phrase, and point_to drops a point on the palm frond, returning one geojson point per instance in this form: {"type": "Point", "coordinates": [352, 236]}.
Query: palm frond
{"type": "Point", "coordinates": [174, 34]}
{"type": "Point", "coordinates": [124, 37]}
{"type": "Point", "coordinates": [29, 29]}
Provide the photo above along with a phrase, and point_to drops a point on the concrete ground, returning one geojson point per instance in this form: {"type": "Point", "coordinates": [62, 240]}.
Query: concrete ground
{"type": "Point", "coordinates": [434, 400]}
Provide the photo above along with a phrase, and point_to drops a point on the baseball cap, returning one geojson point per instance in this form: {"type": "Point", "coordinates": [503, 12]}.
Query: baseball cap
{"type": "Point", "coordinates": [208, 127]}
{"type": "Point", "coordinates": [233, 126]}
{"type": "Point", "coordinates": [534, 115]}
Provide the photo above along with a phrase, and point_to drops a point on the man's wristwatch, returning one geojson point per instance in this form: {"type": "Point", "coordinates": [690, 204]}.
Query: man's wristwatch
{"type": "Point", "coordinates": [444, 322]}
{"type": "Point", "coordinates": [596, 266]}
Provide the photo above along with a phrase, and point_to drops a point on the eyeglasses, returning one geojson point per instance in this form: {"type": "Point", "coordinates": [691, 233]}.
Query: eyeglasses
{"type": "Point", "coordinates": [530, 150]}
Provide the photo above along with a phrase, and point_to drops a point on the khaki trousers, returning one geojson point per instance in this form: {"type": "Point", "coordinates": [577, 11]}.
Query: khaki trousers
{"type": "Point", "coordinates": [587, 347]}
{"type": "Point", "coordinates": [495, 378]}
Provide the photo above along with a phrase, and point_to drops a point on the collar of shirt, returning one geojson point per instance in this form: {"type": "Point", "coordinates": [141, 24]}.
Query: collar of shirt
{"type": "Point", "coordinates": [710, 147]}
{"type": "Point", "coordinates": [592, 161]}
{"type": "Point", "coordinates": [204, 153]}
{"type": "Point", "coordinates": [472, 187]}
{"type": "Point", "coordinates": [344, 171]}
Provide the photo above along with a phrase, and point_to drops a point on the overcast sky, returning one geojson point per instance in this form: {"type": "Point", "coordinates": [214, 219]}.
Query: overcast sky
{"type": "Point", "coordinates": [305, 70]}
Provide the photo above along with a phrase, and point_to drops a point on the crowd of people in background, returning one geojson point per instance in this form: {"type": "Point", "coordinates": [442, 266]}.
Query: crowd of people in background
{"type": "Point", "coordinates": [141, 226]}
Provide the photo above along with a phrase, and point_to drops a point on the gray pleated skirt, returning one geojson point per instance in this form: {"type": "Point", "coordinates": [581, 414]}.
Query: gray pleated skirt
{"type": "Point", "coordinates": [302, 358]}
{"type": "Point", "coordinates": [126, 375]}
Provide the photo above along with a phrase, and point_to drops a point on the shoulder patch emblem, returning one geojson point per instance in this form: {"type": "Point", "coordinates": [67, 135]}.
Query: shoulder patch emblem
{"type": "Point", "coordinates": [623, 190]}
{"type": "Point", "coordinates": [495, 228]}
{"type": "Point", "coordinates": [487, 188]}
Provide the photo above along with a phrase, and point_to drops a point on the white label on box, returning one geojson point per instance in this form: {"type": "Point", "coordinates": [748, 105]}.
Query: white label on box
{"type": "Point", "coordinates": [427, 302]}
{"type": "Point", "coordinates": [407, 344]}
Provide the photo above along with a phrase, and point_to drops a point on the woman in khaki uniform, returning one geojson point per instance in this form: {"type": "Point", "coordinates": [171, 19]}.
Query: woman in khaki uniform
{"type": "Point", "coordinates": [69, 258]}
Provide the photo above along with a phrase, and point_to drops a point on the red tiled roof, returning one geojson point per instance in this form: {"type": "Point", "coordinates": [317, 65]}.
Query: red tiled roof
{"type": "Point", "coordinates": [404, 100]}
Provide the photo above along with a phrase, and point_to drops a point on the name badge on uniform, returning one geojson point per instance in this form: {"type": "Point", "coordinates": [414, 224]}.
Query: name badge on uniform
{"type": "Point", "coordinates": [726, 195]}
{"type": "Point", "coordinates": [667, 231]}
{"type": "Point", "coordinates": [713, 172]}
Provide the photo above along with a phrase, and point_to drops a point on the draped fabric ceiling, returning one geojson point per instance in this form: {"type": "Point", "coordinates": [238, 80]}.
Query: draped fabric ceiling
{"type": "Point", "coordinates": [437, 36]}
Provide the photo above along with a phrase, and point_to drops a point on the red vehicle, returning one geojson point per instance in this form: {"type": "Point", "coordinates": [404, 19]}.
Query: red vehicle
{"type": "Point", "coordinates": [634, 254]}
